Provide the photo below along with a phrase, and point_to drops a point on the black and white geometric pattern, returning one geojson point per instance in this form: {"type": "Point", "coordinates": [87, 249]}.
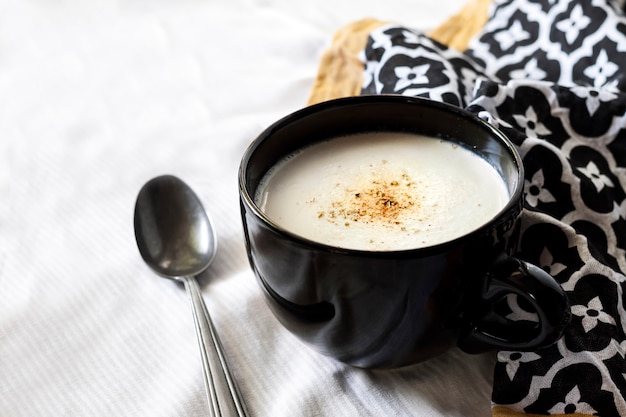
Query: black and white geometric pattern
{"type": "Point", "coordinates": [551, 75]}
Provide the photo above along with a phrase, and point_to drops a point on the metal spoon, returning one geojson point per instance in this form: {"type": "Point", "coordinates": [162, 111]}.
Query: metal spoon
{"type": "Point", "coordinates": [176, 239]}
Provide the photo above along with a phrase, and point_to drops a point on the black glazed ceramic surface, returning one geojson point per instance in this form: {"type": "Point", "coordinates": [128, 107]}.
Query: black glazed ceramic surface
{"type": "Point", "coordinates": [387, 309]}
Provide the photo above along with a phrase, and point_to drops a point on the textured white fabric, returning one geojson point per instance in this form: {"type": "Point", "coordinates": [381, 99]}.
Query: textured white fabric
{"type": "Point", "coordinates": [96, 98]}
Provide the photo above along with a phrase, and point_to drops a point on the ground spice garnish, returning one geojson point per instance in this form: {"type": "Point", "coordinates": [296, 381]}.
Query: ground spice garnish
{"type": "Point", "coordinates": [382, 199]}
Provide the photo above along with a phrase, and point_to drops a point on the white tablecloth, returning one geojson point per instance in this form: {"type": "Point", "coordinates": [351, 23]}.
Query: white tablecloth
{"type": "Point", "coordinates": [96, 98]}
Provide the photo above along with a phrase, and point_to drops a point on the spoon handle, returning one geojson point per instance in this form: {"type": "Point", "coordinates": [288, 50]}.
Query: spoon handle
{"type": "Point", "coordinates": [223, 394]}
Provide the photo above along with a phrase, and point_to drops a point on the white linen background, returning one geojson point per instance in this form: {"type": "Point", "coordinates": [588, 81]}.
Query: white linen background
{"type": "Point", "coordinates": [97, 97]}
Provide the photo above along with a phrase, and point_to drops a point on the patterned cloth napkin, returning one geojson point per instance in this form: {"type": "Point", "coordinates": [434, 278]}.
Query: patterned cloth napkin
{"type": "Point", "coordinates": [552, 76]}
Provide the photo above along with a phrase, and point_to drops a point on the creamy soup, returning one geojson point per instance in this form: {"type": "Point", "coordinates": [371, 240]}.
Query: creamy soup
{"type": "Point", "coordinates": [382, 191]}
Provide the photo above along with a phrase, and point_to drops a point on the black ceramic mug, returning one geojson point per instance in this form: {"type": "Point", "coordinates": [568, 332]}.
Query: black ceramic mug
{"type": "Point", "coordinates": [393, 308]}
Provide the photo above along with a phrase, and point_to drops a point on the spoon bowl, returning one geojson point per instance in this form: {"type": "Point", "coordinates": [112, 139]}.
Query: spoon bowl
{"type": "Point", "coordinates": [173, 231]}
{"type": "Point", "coordinates": [176, 239]}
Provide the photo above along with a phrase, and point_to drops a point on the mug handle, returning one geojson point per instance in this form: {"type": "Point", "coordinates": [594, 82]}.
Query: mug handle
{"type": "Point", "coordinates": [489, 330]}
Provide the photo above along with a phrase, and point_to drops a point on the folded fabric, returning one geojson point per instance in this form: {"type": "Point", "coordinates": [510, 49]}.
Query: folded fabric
{"type": "Point", "coordinates": [550, 75]}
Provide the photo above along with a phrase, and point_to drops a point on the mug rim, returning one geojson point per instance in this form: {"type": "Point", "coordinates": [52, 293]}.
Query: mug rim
{"type": "Point", "coordinates": [512, 204]}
